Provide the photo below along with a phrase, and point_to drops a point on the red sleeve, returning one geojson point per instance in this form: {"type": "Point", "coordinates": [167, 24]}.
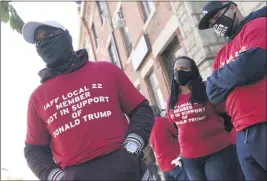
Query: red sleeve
{"type": "Point", "coordinates": [161, 132]}
{"type": "Point", "coordinates": [129, 96]}
{"type": "Point", "coordinates": [152, 138]}
{"type": "Point", "coordinates": [254, 34]}
{"type": "Point", "coordinates": [215, 64]}
{"type": "Point", "coordinates": [172, 129]}
{"type": "Point", "coordinates": [37, 134]}
{"type": "Point", "coordinates": [157, 139]}
{"type": "Point", "coordinates": [168, 110]}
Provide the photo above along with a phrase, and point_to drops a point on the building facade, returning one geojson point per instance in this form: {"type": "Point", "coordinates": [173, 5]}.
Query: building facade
{"type": "Point", "coordinates": [144, 38]}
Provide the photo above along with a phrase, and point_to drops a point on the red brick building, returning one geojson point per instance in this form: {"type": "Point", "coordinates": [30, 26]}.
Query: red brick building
{"type": "Point", "coordinates": [144, 38]}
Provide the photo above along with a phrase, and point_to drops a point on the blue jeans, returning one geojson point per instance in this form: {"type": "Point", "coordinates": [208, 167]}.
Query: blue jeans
{"type": "Point", "coordinates": [222, 165]}
{"type": "Point", "coordinates": [175, 174]}
{"type": "Point", "coordinates": [251, 150]}
{"type": "Point", "coordinates": [240, 171]}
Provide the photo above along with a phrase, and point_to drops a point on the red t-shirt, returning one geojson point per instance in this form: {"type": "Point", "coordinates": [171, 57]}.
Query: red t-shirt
{"type": "Point", "coordinates": [247, 104]}
{"type": "Point", "coordinates": [81, 114]}
{"type": "Point", "coordinates": [200, 129]}
{"type": "Point", "coordinates": [164, 144]}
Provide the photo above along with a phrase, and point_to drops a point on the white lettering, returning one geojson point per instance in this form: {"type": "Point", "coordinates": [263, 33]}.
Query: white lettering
{"type": "Point", "coordinates": [75, 93]}
{"type": "Point", "coordinates": [99, 99]}
{"type": "Point", "coordinates": [73, 100]}
{"type": "Point", "coordinates": [52, 118]}
{"type": "Point", "coordinates": [232, 56]}
{"type": "Point", "coordinates": [96, 115]}
{"type": "Point", "coordinates": [66, 127]}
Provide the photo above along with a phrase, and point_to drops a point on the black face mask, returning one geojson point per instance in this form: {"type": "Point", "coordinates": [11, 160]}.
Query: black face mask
{"type": "Point", "coordinates": [182, 77]}
{"type": "Point", "coordinates": [224, 25]}
{"type": "Point", "coordinates": [55, 49]}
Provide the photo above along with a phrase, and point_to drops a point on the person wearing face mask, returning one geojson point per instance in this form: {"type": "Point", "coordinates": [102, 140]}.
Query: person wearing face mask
{"type": "Point", "coordinates": [239, 79]}
{"type": "Point", "coordinates": [164, 143]}
{"type": "Point", "coordinates": [206, 149]}
{"type": "Point", "coordinates": [76, 123]}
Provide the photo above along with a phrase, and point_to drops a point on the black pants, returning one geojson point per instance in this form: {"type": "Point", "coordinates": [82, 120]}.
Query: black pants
{"type": "Point", "coordinates": [118, 165]}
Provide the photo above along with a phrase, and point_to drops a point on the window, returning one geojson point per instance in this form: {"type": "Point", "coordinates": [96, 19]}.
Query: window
{"type": "Point", "coordinates": [169, 55]}
{"type": "Point", "coordinates": [95, 35]}
{"type": "Point", "coordinates": [156, 94]}
{"type": "Point", "coordinates": [100, 11]}
{"type": "Point", "coordinates": [127, 40]}
{"type": "Point", "coordinates": [125, 35]}
{"type": "Point", "coordinates": [113, 54]}
{"type": "Point", "coordinates": [120, 13]}
{"type": "Point", "coordinates": [147, 7]}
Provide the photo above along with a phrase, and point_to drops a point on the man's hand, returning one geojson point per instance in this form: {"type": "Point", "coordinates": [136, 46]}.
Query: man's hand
{"type": "Point", "coordinates": [177, 161]}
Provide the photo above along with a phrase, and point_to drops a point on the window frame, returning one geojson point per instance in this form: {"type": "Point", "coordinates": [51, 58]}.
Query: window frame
{"type": "Point", "coordinates": [100, 11]}
{"type": "Point", "coordinates": [113, 54]}
{"type": "Point", "coordinates": [146, 9]}
{"type": "Point", "coordinates": [96, 38]}
{"type": "Point", "coordinates": [153, 91]}
{"type": "Point", "coordinates": [127, 42]}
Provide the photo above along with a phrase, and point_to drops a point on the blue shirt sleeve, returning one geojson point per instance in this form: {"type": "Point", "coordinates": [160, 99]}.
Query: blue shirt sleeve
{"type": "Point", "coordinates": [248, 68]}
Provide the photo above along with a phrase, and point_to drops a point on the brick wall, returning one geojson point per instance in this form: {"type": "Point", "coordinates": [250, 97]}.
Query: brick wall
{"type": "Point", "coordinates": [137, 27]}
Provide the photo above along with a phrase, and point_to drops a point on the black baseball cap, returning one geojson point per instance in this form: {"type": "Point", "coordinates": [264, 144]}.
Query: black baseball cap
{"type": "Point", "coordinates": [209, 10]}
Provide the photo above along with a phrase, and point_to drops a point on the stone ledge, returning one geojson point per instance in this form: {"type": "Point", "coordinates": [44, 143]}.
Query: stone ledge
{"type": "Point", "coordinates": [194, 7]}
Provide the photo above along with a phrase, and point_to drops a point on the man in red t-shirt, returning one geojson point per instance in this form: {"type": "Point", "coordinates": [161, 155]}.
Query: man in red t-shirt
{"type": "Point", "coordinates": [239, 78]}
{"type": "Point", "coordinates": [76, 124]}
{"type": "Point", "coordinates": [165, 145]}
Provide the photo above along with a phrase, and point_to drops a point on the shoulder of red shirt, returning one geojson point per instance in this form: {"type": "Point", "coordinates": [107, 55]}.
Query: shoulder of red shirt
{"type": "Point", "coordinates": [248, 32]}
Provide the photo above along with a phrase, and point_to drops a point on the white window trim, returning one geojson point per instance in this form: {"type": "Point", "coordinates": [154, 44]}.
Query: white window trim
{"type": "Point", "coordinates": [117, 9]}
{"type": "Point", "coordinates": [97, 48]}
{"type": "Point", "coordinates": [162, 104]}
{"type": "Point", "coordinates": [136, 83]}
{"type": "Point", "coordinates": [104, 21]}
{"type": "Point", "coordinates": [149, 19]}
{"type": "Point", "coordinates": [165, 36]}
{"type": "Point", "coordinates": [145, 70]}
{"type": "Point", "coordinates": [130, 57]}
{"type": "Point", "coordinates": [108, 41]}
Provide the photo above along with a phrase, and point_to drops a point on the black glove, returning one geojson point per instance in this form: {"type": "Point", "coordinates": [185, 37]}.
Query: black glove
{"type": "Point", "coordinates": [228, 126]}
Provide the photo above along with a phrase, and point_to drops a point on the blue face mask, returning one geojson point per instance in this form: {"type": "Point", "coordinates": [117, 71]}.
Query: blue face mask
{"type": "Point", "coordinates": [55, 49]}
